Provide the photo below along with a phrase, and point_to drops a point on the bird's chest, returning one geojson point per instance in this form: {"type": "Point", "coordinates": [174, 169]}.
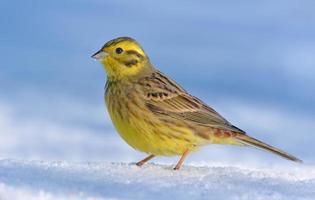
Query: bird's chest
{"type": "Point", "coordinates": [140, 128]}
{"type": "Point", "coordinates": [128, 113]}
{"type": "Point", "coordinates": [120, 104]}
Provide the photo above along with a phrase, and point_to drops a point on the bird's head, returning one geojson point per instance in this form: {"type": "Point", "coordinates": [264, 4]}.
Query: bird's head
{"type": "Point", "coordinates": [122, 57]}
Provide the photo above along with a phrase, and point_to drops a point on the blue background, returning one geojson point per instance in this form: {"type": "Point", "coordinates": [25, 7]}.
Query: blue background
{"type": "Point", "coordinates": [252, 61]}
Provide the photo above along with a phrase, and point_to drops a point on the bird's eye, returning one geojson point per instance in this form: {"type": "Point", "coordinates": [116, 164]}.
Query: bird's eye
{"type": "Point", "coordinates": [119, 50]}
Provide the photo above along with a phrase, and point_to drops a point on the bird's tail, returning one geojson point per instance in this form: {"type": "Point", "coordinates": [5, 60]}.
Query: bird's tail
{"type": "Point", "coordinates": [247, 140]}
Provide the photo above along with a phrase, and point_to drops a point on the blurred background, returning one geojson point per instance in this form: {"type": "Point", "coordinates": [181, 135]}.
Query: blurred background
{"type": "Point", "coordinates": [252, 61]}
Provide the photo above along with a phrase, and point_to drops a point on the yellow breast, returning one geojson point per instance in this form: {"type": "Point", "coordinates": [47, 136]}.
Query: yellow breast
{"type": "Point", "coordinates": [143, 130]}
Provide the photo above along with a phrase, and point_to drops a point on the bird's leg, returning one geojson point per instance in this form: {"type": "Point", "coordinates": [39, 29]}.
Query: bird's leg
{"type": "Point", "coordinates": [146, 159]}
{"type": "Point", "coordinates": [181, 160]}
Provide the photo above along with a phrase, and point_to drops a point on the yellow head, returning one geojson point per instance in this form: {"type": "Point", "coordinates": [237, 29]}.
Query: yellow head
{"type": "Point", "coordinates": [123, 57]}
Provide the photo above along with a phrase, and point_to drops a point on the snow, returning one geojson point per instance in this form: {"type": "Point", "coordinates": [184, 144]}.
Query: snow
{"type": "Point", "coordinates": [46, 180]}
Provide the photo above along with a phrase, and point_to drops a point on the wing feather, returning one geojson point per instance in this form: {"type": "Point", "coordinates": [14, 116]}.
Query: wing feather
{"type": "Point", "coordinates": [164, 96]}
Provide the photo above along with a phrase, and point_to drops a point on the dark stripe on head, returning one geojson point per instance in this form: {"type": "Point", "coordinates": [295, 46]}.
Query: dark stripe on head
{"type": "Point", "coordinates": [130, 63]}
{"type": "Point", "coordinates": [133, 52]}
{"type": "Point", "coordinates": [117, 40]}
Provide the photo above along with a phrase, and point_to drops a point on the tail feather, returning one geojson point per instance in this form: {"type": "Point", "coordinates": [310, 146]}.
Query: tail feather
{"type": "Point", "coordinates": [247, 140]}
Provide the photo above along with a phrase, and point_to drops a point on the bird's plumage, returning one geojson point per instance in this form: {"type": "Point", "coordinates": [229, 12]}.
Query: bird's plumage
{"type": "Point", "coordinates": [154, 114]}
{"type": "Point", "coordinates": [166, 97]}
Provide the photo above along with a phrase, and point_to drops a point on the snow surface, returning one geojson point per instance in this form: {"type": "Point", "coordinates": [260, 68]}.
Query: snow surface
{"type": "Point", "coordinates": [46, 180]}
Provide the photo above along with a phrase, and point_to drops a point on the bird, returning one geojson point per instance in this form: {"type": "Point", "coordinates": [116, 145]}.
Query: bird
{"type": "Point", "coordinates": [157, 116]}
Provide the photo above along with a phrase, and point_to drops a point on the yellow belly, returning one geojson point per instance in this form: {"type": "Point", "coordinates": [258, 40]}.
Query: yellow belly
{"type": "Point", "coordinates": [146, 132]}
{"type": "Point", "coordinates": [153, 134]}
{"type": "Point", "coordinates": [154, 137]}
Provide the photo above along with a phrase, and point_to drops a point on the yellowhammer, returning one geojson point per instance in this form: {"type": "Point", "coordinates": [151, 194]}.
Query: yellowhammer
{"type": "Point", "coordinates": [155, 115]}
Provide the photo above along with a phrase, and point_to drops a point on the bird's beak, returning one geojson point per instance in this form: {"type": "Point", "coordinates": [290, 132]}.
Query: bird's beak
{"type": "Point", "coordinates": [99, 55]}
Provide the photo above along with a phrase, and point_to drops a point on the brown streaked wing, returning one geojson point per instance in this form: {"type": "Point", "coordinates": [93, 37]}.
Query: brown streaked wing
{"type": "Point", "coordinates": [164, 96]}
